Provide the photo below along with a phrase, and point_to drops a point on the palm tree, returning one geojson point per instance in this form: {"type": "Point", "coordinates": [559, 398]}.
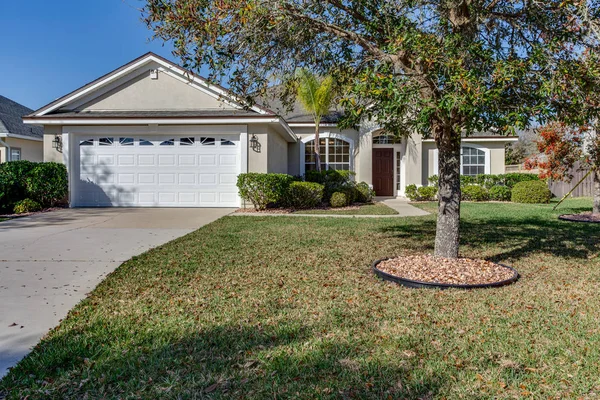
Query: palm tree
{"type": "Point", "coordinates": [316, 95]}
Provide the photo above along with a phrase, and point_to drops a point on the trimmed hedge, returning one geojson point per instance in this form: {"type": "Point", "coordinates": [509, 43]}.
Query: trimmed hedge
{"type": "Point", "coordinates": [474, 193]}
{"type": "Point", "coordinates": [531, 192]}
{"type": "Point", "coordinates": [304, 194]}
{"type": "Point", "coordinates": [364, 193]}
{"type": "Point", "coordinates": [45, 182]}
{"type": "Point", "coordinates": [263, 189]}
{"type": "Point", "coordinates": [423, 193]}
{"type": "Point", "coordinates": [489, 180]}
{"type": "Point", "coordinates": [338, 199]}
{"type": "Point", "coordinates": [500, 193]}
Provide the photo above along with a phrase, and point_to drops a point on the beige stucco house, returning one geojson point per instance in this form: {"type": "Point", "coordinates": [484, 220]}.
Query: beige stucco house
{"type": "Point", "coordinates": [152, 134]}
{"type": "Point", "coordinates": [18, 141]}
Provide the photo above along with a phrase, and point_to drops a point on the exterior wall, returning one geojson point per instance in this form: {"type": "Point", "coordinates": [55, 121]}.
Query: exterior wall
{"type": "Point", "coordinates": [413, 160]}
{"type": "Point", "coordinates": [31, 150]}
{"type": "Point", "coordinates": [257, 151]}
{"type": "Point", "coordinates": [277, 160]}
{"type": "Point", "coordinates": [50, 154]}
{"type": "Point", "coordinates": [497, 164]}
{"type": "Point", "coordinates": [144, 93]}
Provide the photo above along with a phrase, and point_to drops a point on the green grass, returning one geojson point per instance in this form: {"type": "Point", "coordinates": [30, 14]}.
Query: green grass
{"type": "Point", "coordinates": [366, 209]}
{"type": "Point", "coordinates": [270, 307]}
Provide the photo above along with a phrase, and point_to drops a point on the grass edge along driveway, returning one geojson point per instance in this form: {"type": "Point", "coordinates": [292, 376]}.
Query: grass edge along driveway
{"type": "Point", "coordinates": [264, 307]}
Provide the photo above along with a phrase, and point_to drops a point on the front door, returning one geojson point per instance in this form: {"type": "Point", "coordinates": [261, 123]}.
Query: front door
{"type": "Point", "coordinates": [383, 172]}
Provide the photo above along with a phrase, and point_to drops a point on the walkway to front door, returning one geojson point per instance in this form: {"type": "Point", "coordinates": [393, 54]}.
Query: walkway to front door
{"type": "Point", "coordinates": [383, 172]}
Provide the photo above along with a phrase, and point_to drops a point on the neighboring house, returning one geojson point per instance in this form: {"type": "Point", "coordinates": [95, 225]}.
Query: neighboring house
{"type": "Point", "coordinates": [18, 141]}
{"type": "Point", "coordinates": [152, 134]}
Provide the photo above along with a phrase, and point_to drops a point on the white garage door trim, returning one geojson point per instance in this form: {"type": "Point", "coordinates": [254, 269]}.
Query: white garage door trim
{"type": "Point", "coordinates": [156, 170]}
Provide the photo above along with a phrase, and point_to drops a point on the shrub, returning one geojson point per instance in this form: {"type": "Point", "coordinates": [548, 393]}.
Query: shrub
{"type": "Point", "coordinates": [500, 193]}
{"type": "Point", "coordinates": [263, 189]}
{"type": "Point", "coordinates": [531, 192]}
{"type": "Point", "coordinates": [489, 180]}
{"type": "Point", "coordinates": [47, 183]}
{"type": "Point", "coordinates": [510, 180]}
{"type": "Point", "coordinates": [304, 194]}
{"type": "Point", "coordinates": [338, 199]}
{"type": "Point", "coordinates": [423, 193]}
{"type": "Point", "coordinates": [333, 181]}
{"type": "Point", "coordinates": [433, 180]}
{"type": "Point", "coordinates": [475, 193]}
{"type": "Point", "coordinates": [364, 193]}
{"type": "Point", "coordinates": [25, 206]}
{"type": "Point", "coordinates": [12, 182]}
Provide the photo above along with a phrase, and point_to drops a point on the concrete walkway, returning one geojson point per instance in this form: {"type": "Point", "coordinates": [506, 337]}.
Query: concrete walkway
{"type": "Point", "coordinates": [49, 262]}
{"type": "Point", "coordinates": [401, 205]}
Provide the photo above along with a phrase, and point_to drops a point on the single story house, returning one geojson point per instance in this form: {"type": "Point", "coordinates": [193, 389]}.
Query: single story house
{"type": "Point", "coordinates": [18, 141]}
{"type": "Point", "coordinates": [152, 134]}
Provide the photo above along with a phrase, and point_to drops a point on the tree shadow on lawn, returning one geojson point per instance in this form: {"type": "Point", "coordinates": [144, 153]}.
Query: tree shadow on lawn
{"type": "Point", "coordinates": [216, 362]}
{"type": "Point", "coordinates": [512, 238]}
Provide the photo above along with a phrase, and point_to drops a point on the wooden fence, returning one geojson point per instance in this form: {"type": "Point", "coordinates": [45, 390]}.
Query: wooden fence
{"type": "Point", "coordinates": [559, 189]}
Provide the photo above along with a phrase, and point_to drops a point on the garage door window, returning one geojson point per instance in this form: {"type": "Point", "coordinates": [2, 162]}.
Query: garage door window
{"type": "Point", "coordinates": [187, 141]}
{"type": "Point", "coordinates": [86, 142]}
{"type": "Point", "coordinates": [225, 142]}
{"type": "Point", "coordinates": [168, 142]}
{"type": "Point", "coordinates": [105, 141]}
{"type": "Point", "coordinates": [126, 141]}
{"type": "Point", "coordinates": [207, 141]}
{"type": "Point", "coordinates": [144, 142]}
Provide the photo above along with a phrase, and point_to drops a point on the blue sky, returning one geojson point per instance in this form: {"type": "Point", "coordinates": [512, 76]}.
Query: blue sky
{"type": "Point", "coordinates": [50, 48]}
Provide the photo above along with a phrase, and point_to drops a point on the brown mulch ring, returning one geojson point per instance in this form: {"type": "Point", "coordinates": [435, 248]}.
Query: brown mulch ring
{"type": "Point", "coordinates": [292, 210]}
{"type": "Point", "coordinates": [439, 270]}
{"type": "Point", "coordinates": [45, 210]}
{"type": "Point", "coordinates": [583, 217]}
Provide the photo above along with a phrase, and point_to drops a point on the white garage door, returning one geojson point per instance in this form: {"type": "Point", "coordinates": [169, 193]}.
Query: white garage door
{"type": "Point", "coordinates": [153, 171]}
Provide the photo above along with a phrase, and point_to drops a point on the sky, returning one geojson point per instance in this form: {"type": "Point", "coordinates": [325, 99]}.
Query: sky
{"type": "Point", "coordinates": [50, 48]}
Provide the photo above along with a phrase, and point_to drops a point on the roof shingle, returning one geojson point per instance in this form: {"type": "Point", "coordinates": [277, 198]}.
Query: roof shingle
{"type": "Point", "coordinates": [11, 121]}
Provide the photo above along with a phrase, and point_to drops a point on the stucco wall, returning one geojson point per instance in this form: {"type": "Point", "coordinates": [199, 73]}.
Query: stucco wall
{"type": "Point", "coordinates": [257, 151]}
{"type": "Point", "coordinates": [31, 150]}
{"type": "Point", "coordinates": [50, 154]}
{"type": "Point", "coordinates": [144, 93]}
{"type": "Point", "coordinates": [277, 161]}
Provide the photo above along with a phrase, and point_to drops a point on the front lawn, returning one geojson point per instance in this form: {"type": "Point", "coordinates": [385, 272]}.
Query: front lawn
{"type": "Point", "coordinates": [363, 209]}
{"type": "Point", "coordinates": [275, 307]}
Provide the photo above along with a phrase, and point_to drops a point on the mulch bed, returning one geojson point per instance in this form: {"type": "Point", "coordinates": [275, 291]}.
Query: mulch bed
{"type": "Point", "coordinates": [292, 210]}
{"type": "Point", "coordinates": [583, 217]}
{"type": "Point", "coordinates": [439, 270]}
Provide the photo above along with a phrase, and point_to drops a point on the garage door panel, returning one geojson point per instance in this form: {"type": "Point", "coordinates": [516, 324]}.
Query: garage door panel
{"type": "Point", "coordinates": [144, 171]}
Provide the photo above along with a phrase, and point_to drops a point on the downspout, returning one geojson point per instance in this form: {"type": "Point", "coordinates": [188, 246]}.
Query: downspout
{"type": "Point", "coordinates": [2, 142]}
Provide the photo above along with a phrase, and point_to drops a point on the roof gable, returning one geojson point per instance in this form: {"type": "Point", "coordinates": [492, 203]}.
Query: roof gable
{"type": "Point", "coordinates": [131, 87]}
{"type": "Point", "coordinates": [11, 113]}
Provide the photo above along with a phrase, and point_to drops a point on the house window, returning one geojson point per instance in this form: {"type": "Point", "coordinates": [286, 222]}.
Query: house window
{"type": "Point", "coordinates": [15, 154]}
{"type": "Point", "coordinates": [144, 142]}
{"type": "Point", "coordinates": [86, 142]}
{"type": "Point", "coordinates": [126, 141]}
{"type": "Point", "coordinates": [168, 142]}
{"type": "Point", "coordinates": [105, 141]}
{"type": "Point", "coordinates": [335, 154]}
{"type": "Point", "coordinates": [473, 161]}
{"type": "Point", "coordinates": [386, 138]}
{"type": "Point", "coordinates": [187, 141]}
{"type": "Point", "coordinates": [207, 141]}
{"type": "Point", "coordinates": [225, 142]}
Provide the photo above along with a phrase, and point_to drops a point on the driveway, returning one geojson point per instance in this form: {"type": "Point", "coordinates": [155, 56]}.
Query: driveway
{"type": "Point", "coordinates": [49, 262]}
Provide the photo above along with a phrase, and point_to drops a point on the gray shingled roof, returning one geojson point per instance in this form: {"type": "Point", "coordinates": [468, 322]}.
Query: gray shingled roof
{"type": "Point", "coordinates": [11, 114]}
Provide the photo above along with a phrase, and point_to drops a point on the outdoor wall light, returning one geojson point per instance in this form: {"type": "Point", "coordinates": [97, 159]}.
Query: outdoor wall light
{"type": "Point", "coordinates": [57, 143]}
{"type": "Point", "coordinates": [254, 143]}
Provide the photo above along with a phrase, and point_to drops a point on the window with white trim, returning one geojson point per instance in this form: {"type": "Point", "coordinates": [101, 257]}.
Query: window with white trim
{"type": "Point", "coordinates": [335, 154]}
{"type": "Point", "coordinates": [473, 161]}
{"type": "Point", "coordinates": [386, 138]}
{"type": "Point", "coordinates": [15, 154]}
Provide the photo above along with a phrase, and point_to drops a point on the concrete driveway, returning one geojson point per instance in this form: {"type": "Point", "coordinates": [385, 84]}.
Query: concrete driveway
{"type": "Point", "coordinates": [49, 262]}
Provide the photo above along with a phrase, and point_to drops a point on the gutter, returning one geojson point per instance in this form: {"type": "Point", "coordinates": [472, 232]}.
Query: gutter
{"type": "Point", "coordinates": [15, 136]}
{"type": "Point", "coordinates": [482, 139]}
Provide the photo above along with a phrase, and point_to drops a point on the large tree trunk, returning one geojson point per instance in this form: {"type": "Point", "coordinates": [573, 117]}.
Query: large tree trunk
{"type": "Point", "coordinates": [447, 232]}
{"type": "Point", "coordinates": [596, 209]}
{"type": "Point", "coordinates": [317, 147]}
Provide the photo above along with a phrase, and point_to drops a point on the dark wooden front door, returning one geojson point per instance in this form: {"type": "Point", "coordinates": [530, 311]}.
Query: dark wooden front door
{"type": "Point", "coordinates": [383, 172]}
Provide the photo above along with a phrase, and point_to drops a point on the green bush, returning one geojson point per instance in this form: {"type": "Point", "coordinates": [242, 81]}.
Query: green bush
{"type": "Point", "coordinates": [12, 182]}
{"type": "Point", "coordinates": [338, 199]}
{"type": "Point", "coordinates": [500, 193]}
{"type": "Point", "coordinates": [475, 193]}
{"type": "Point", "coordinates": [263, 189]}
{"type": "Point", "coordinates": [423, 193]}
{"type": "Point", "coordinates": [510, 180]}
{"type": "Point", "coordinates": [364, 193]}
{"type": "Point", "coordinates": [26, 206]}
{"type": "Point", "coordinates": [47, 183]}
{"type": "Point", "coordinates": [489, 180]}
{"type": "Point", "coordinates": [304, 194]}
{"type": "Point", "coordinates": [333, 181]}
{"type": "Point", "coordinates": [531, 192]}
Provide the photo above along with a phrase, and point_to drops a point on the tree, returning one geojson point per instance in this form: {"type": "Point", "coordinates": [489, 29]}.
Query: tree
{"type": "Point", "coordinates": [518, 152]}
{"type": "Point", "coordinates": [316, 95]}
{"type": "Point", "coordinates": [565, 148]}
{"type": "Point", "coordinates": [444, 69]}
